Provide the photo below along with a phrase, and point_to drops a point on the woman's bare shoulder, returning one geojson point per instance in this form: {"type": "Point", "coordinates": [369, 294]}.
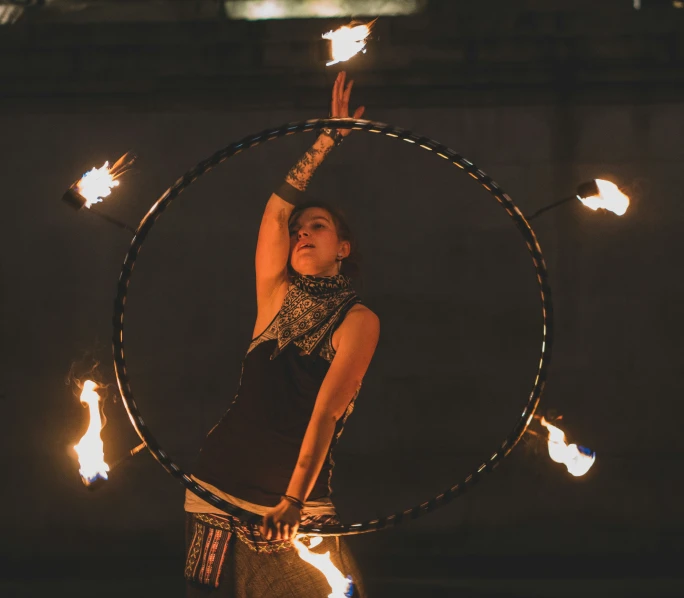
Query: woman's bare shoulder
{"type": "Point", "coordinates": [360, 308]}
{"type": "Point", "coordinates": [359, 323]}
{"type": "Point", "coordinates": [361, 316]}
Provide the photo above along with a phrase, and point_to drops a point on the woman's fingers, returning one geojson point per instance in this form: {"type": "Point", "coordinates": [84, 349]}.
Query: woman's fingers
{"type": "Point", "coordinates": [339, 106]}
{"type": "Point", "coordinates": [340, 88]}
{"type": "Point", "coordinates": [344, 100]}
{"type": "Point", "coordinates": [266, 528]}
{"type": "Point", "coordinates": [347, 93]}
{"type": "Point", "coordinates": [335, 104]}
{"type": "Point", "coordinates": [340, 96]}
{"type": "Point", "coordinates": [278, 530]}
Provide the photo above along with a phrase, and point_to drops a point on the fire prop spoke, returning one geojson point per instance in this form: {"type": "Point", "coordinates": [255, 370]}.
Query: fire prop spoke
{"type": "Point", "coordinates": [577, 459]}
{"type": "Point", "coordinates": [348, 41]}
{"type": "Point", "coordinates": [596, 194]}
{"type": "Point", "coordinates": [90, 449]}
{"type": "Point", "coordinates": [340, 585]}
{"type": "Point", "coordinates": [96, 184]}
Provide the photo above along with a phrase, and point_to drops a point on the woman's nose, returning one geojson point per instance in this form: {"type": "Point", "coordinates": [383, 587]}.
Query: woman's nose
{"type": "Point", "coordinates": [301, 233]}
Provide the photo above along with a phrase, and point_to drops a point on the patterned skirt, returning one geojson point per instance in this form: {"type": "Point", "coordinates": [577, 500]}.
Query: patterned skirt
{"type": "Point", "coordinates": [228, 559]}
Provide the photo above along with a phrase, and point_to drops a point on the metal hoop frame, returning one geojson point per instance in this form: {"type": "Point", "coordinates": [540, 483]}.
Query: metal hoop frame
{"type": "Point", "coordinates": [248, 142]}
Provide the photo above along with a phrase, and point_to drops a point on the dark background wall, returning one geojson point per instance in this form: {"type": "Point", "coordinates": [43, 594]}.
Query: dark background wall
{"type": "Point", "coordinates": [540, 100]}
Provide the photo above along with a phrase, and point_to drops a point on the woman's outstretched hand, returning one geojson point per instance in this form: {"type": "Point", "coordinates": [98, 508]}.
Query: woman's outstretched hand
{"type": "Point", "coordinates": [281, 522]}
{"type": "Point", "coordinates": [339, 107]}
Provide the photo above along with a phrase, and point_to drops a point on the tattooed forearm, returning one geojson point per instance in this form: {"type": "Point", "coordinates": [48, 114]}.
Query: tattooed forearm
{"type": "Point", "coordinates": [300, 174]}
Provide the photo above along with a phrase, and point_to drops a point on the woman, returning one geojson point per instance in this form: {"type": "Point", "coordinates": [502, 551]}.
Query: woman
{"type": "Point", "coordinates": [271, 453]}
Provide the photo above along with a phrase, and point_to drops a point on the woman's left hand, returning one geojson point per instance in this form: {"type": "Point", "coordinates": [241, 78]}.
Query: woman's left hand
{"type": "Point", "coordinates": [281, 522]}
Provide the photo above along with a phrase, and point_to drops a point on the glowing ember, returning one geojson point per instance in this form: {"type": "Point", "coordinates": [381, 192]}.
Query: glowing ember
{"type": "Point", "coordinates": [609, 197]}
{"type": "Point", "coordinates": [348, 41]}
{"type": "Point", "coordinates": [339, 584]}
{"type": "Point", "coordinates": [97, 183]}
{"type": "Point", "coordinates": [90, 449]}
{"type": "Point", "coordinates": [577, 459]}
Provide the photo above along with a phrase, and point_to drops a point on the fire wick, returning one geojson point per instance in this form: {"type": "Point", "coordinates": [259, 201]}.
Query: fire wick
{"type": "Point", "coordinates": [77, 201]}
{"type": "Point", "coordinates": [99, 481]}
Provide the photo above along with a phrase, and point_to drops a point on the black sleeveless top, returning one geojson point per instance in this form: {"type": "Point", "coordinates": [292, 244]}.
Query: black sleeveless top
{"type": "Point", "coordinates": [252, 452]}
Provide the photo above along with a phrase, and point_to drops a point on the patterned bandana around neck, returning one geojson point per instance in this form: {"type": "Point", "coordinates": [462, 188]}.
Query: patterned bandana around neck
{"type": "Point", "coordinates": [312, 306]}
{"type": "Point", "coordinates": [321, 286]}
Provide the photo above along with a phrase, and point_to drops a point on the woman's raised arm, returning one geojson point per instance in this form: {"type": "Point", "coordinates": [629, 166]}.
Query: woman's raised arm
{"type": "Point", "coordinates": [273, 245]}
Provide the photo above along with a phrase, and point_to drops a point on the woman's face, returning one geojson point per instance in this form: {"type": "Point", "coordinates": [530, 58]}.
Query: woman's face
{"type": "Point", "coordinates": [314, 244]}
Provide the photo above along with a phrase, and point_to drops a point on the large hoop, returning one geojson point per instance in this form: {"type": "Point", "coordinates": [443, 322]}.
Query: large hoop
{"type": "Point", "coordinates": [438, 149]}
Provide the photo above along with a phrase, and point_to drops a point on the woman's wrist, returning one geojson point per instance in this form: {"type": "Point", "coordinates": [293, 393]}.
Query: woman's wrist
{"type": "Point", "coordinates": [293, 500]}
{"type": "Point", "coordinates": [331, 134]}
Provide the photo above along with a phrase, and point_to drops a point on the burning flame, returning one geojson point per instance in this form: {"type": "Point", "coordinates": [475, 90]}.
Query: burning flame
{"type": "Point", "coordinates": [577, 459]}
{"type": "Point", "coordinates": [608, 198]}
{"type": "Point", "coordinates": [97, 183]}
{"type": "Point", "coordinates": [348, 41]}
{"type": "Point", "coordinates": [90, 449]}
{"type": "Point", "coordinates": [339, 584]}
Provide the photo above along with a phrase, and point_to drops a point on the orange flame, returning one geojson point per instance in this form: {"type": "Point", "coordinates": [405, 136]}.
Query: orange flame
{"type": "Point", "coordinates": [609, 198]}
{"type": "Point", "coordinates": [90, 449]}
{"type": "Point", "coordinates": [578, 460]}
{"type": "Point", "coordinates": [339, 584]}
{"type": "Point", "coordinates": [97, 183]}
{"type": "Point", "coordinates": [348, 41]}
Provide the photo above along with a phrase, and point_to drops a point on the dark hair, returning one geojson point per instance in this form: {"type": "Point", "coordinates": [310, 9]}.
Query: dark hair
{"type": "Point", "coordinates": [351, 265]}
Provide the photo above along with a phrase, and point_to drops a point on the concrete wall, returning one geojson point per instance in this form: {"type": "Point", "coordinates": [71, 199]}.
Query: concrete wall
{"type": "Point", "coordinates": [444, 269]}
